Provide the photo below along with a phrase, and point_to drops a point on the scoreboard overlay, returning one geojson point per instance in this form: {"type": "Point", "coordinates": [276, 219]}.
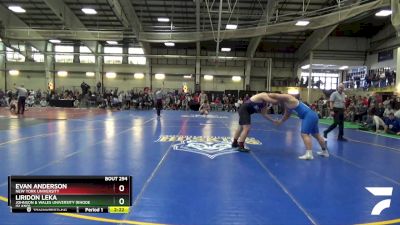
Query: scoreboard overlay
{"type": "Point", "coordinates": [75, 194]}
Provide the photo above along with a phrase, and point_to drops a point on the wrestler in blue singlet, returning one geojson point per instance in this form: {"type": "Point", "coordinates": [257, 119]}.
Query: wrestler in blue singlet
{"type": "Point", "coordinates": [309, 124]}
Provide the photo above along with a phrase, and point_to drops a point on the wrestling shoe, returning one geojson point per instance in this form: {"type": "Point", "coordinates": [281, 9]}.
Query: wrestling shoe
{"type": "Point", "coordinates": [243, 149]}
{"type": "Point", "coordinates": [323, 153]}
{"type": "Point", "coordinates": [307, 156]}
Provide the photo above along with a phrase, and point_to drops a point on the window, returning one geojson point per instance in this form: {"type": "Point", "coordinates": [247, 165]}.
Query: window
{"type": "Point", "coordinates": [322, 80]}
{"type": "Point", "coordinates": [21, 48]}
{"type": "Point", "coordinates": [14, 56]}
{"type": "Point", "coordinates": [113, 59]}
{"type": "Point", "coordinates": [37, 57]}
{"type": "Point", "coordinates": [64, 58]}
{"type": "Point", "coordinates": [141, 60]}
{"type": "Point", "coordinates": [86, 58]}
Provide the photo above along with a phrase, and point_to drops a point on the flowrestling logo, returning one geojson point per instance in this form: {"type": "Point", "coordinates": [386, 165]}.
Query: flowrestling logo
{"type": "Point", "coordinates": [211, 147]}
{"type": "Point", "coordinates": [384, 204]}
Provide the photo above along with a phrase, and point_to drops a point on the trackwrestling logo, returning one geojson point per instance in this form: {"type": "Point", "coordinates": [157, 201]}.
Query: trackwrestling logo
{"type": "Point", "coordinates": [207, 146]}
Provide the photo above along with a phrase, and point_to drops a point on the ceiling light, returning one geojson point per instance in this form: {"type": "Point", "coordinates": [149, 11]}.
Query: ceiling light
{"type": "Point", "coordinates": [208, 77]}
{"type": "Point", "coordinates": [231, 27]}
{"type": "Point", "coordinates": [112, 42]}
{"type": "Point", "coordinates": [111, 75]}
{"type": "Point", "coordinates": [89, 11]}
{"type": "Point", "coordinates": [160, 76]}
{"type": "Point", "coordinates": [226, 49]}
{"type": "Point", "coordinates": [302, 23]}
{"type": "Point", "coordinates": [16, 9]}
{"type": "Point", "coordinates": [236, 78]}
{"type": "Point", "coordinates": [55, 41]}
{"type": "Point", "coordinates": [138, 75]}
{"type": "Point", "coordinates": [305, 67]}
{"type": "Point", "coordinates": [13, 72]}
{"type": "Point", "coordinates": [163, 19]}
{"type": "Point", "coordinates": [293, 91]}
{"type": "Point", "coordinates": [62, 73]}
{"type": "Point", "coordinates": [90, 74]}
{"type": "Point", "coordinates": [343, 68]}
{"type": "Point", "coordinates": [169, 44]}
{"type": "Point", "coordinates": [187, 76]}
{"type": "Point", "coordinates": [384, 12]}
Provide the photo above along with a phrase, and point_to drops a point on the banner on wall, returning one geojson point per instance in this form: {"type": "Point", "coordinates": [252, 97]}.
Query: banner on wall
{"type": "Point", "coordinates": [50, 86]}
{"type": "Point", "coordinates": [385, 55]}
{"type": "Point", "coordinates": [185, 88]}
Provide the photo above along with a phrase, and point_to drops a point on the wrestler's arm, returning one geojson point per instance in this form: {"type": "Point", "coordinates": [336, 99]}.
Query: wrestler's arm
{"type": "Point", "coordinates": [264, 113]}
{"type": "Point", "coordinates": [286, 116]}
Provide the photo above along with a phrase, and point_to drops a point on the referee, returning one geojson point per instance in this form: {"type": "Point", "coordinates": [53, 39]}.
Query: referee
{"type": "Point", "coordinates": [159, 97]}
{"type": "Point", "coordinates": [337, 106]}
{"type": "Point", "coordinates": [22, 94]}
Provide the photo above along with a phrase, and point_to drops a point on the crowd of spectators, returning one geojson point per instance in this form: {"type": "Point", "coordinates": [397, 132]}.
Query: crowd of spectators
{"type": "Point", "coordinates": [370, 112]}
{"type": "Point", "coordinates": [372, 80]}
{"type": "Point", "coordinates": [140, 100]}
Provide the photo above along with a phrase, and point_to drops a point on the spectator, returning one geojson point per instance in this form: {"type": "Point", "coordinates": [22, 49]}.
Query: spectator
{"type": "Point", "coordinates": [351, 110]}
{"type": "Point", "coordinates": [360, 112]}
{"type": "Point", "coordinates": [377, 122]}
{"type": "Point", "coordinates": [380, 110]}
{"type": "Point", "coordinates": [375, 80]}
{"type": "Point", "coordinates": [393, 74]}
{"type": "Point", "coordinates": [218, 104]}
{"type": "Point", "coordinates": [238, 103]}
{"type": "Point", "coordinates": [389, 77]}
{"type": "Point", "coordinates": [368, 80]}
{"type": "Point", "coordinates": [13, 105]}
{"type": "Point", "coordinates": [43, 102]}
{"type": "Point", "coordinates": [9, 96]}
{"type": "Point", "coordinates": [396, 102]}
{"type": "Point", "coordinates": [98, 86]}
{"type": "Point", "coordinates": [387, 112]}
{"type": "Point", "coordinates": [205, 108]}
{"type": "Point", "coordinates": [397, 114]}
{"type": "Point", "coordinates": [387, 102]}
{"type": "Point", "coordinates": [2, 98]}
{"type": "Point", "coordinates": [382, 79]}
{"type": "Point", "coordinates": [372, 100]}
{"type": "Point", "coordinates": [393, 124]}
{"type": "Point", "coordinates": [203, 97]}
{"type": "Point", "coordinates": [30, 101]}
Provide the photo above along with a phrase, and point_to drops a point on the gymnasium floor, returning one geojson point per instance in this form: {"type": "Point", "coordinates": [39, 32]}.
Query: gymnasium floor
{"type": "Point", "coordinates": [195, 180]}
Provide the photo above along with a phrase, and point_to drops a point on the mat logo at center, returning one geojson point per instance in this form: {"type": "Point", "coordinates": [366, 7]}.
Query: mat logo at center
{"type": "Point", "coordinates": [208, 146]}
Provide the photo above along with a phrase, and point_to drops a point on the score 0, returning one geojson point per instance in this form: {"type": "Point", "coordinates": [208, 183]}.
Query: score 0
{"type": "Point", "coordinates": [121, 189]}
